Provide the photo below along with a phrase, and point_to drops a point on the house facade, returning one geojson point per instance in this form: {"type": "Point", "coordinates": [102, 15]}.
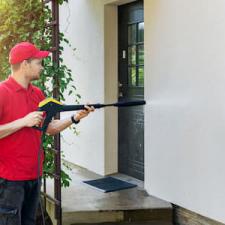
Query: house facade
{"type": "Point", "coordinates": [172, 54]}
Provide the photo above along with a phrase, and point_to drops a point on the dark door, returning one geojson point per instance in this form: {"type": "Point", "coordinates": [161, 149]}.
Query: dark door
{"type": "Point", "coordinates": [131, 86]}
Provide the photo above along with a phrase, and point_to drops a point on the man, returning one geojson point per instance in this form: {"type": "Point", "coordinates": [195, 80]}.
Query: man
{"type": "Point", "coordinates": [19, 142]}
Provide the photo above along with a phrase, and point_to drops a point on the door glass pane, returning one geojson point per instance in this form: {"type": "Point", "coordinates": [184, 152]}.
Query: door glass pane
{"type": "Point", "coordinates": [132, 34]}
{"type": "Point", "coordinates": [141, 54]}
{"type": "Point", "coordinates": [132, 76]}
{"type": "Point", "coordinates": [132, 55]}
{"type": "Point", "coordinates": [141, 76]}
{"type": "Point", "coordinates": [141, 32]}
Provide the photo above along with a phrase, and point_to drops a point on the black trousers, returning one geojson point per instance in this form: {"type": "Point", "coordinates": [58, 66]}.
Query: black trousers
{"type": "Point", "coordinates": [19, 201]}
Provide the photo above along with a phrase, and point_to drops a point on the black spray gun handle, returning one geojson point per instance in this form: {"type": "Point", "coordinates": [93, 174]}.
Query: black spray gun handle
{"type": "Point", "coordinates": [52, 107]}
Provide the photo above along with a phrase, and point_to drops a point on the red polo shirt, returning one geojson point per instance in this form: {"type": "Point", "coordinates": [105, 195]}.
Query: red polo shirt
{"type": "Point", "coordinates": [19, 151]}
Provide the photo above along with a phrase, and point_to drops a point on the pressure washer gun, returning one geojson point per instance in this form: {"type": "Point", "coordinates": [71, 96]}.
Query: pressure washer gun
{"type": "Point", "coordinates": [52, 107]}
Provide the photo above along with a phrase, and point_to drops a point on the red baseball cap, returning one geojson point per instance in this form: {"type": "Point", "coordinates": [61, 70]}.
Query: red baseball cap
{"type": "Point", "coordinates": [25, 50]}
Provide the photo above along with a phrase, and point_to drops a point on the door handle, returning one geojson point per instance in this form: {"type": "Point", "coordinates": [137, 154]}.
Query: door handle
{"type": "Point", "coordinates": [120, 85]}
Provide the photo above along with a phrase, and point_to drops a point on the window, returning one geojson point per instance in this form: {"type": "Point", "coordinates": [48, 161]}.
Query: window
{"type": "Point", "coordinates": [136, 54]}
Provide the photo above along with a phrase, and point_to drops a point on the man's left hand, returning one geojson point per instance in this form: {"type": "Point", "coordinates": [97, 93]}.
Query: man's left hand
{"type": "Point", "coordinates": [83, 113]}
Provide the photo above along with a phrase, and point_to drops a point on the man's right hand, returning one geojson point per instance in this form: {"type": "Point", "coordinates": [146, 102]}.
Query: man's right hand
{"type": "Point", "coordinates": [30, 120]}
{"type": "Point", "coordinates": [33, 119]}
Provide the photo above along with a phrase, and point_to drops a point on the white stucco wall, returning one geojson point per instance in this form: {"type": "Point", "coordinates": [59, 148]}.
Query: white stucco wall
{"type": "Point", "coordinates": [185, 115]}
{"type": "Point", "coordinates": [184, 89]}
{"type": "Point", "coordinates": [82, 23]}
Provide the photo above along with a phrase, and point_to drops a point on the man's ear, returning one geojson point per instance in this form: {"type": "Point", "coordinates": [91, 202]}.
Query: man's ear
{"type": "Point", "coordinates": [24, 64]}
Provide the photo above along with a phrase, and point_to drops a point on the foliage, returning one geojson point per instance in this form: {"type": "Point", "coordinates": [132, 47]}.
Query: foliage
{"type": "Point", "coordinates": [25, 20]}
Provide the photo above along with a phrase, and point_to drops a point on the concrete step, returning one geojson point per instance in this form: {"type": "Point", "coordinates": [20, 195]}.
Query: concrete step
{"type": "Point", "coordinates": [132, 223]}
{"type": "Point", "coordinates": [82, 204]}
{"type": "Point", "coordinates": [159, 216]}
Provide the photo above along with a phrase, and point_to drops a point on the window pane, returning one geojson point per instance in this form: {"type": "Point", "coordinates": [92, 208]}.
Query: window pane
{"type": "Point", "coordinates": [132, 34]}
{"type": "Point", "coordinates": [141, 54]}
{"type": "Point", "coordinates": [132, 76]}
{"type": "Point", "coordinates": [141, 32]}
{"type": "Point", "coordinates": [132, 55]}
{"type": "Point", "coordinates": [141, 76]}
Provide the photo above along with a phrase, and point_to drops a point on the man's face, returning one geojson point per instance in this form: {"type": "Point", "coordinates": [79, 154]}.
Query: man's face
{"type": "Point", "coordinates": [34, 69]}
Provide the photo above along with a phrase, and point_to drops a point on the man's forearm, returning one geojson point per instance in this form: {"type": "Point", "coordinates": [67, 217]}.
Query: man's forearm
{"type": "Point", "coordinates": [57, 126]}
{"type": "Point", "coordinates": [10, 128]}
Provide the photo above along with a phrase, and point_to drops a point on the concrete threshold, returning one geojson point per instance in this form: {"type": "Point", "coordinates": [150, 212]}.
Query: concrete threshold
{"type": "Point", "coordinates": [82, 204]}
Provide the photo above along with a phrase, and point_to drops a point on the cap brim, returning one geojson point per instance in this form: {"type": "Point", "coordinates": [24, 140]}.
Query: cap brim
{"type": "Point", "coordinates": [41, 54]}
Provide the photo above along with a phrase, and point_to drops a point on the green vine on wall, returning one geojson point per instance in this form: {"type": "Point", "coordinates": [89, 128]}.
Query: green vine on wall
{"type": "Point", "coordinates": [25, 20]}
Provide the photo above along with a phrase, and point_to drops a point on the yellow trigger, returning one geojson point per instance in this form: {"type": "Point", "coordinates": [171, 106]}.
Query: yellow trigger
{"type": "Point", "coordinates": [47, 100]}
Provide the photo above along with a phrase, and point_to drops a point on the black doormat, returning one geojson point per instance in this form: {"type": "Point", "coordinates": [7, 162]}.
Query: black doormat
{"type": "Point", "coordinates": [109, 184]}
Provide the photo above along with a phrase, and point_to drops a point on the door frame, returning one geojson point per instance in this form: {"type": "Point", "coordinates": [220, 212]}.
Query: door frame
{"type": "Point", "coordinates": [111, 83]}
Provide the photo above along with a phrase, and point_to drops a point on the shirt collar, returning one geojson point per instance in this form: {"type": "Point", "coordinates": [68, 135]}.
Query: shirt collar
{"type": "Point", "coordinates": [18, 87]}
